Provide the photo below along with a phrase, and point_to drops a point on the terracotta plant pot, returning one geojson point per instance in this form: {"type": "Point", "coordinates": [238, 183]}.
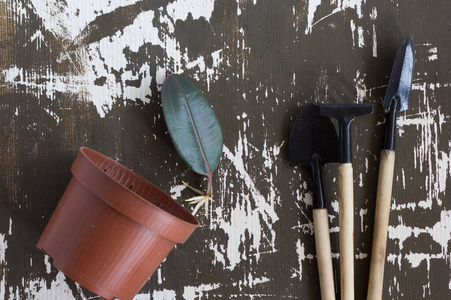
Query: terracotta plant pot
{"type": "Point", "coordinates": [112, 228]}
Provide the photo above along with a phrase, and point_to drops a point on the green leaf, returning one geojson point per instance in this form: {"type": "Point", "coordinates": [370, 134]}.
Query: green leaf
{"type": "Point", "coordinates": [192, 124]}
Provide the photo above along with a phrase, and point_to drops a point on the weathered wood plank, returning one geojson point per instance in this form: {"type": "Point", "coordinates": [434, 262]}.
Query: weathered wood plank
{"type": "Point", "coordinates": [89, 74]}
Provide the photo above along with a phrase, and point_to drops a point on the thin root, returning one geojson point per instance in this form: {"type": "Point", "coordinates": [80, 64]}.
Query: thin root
{"type": "Point", "coordinates": [199, 201]}
{"type": "Point", "coordinates": [193, 189]}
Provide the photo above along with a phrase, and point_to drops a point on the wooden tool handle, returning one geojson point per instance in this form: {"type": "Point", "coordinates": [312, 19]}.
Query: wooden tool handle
{"type": "Point", "coordinates": [346, 223]}
{"type": "Point", "coordinates": [323, 253]}
{"type": "Point", "coordinates": [381, 220]}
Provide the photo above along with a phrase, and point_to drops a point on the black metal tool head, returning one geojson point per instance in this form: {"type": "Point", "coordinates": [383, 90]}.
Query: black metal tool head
{"type": "Point", "coordinates": [345, 114]}
{"type": "Point", "coordinates": [313, 143]}
{"type": "Point", "coordinates": [312, 134]}
{"type": "Point", "coordinates": [397, 96]}
{"type": "Point", "coordinates": [401, 76]}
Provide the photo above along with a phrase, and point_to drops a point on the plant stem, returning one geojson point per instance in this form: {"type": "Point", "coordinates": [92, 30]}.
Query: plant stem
{"type": "Point", "coordinates": [209, 188]}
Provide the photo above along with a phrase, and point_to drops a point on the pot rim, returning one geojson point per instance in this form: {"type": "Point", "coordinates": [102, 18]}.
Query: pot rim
{"type": "Point", "coordinates": [170, 220]}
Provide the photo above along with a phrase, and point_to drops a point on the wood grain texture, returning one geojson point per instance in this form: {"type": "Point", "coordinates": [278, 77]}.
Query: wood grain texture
{"type": "Point", "coordinates": [346, 227]}
{"type": "Point", "coordinates": [381, 222]}
{"type": "Point", "coordinates": [89, 73]}
{"type": "Point", "coordinates": [324, 254]}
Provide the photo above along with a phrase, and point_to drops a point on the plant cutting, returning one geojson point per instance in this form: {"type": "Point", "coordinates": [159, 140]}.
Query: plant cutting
{"type": "Point", "coordinates": [195, 132]}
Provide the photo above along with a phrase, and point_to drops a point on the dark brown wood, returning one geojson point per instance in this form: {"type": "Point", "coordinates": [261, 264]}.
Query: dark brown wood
{"type": "Point", "coordinates": [90, 75]}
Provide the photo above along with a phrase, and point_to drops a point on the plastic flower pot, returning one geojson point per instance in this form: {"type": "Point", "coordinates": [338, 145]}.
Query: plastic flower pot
{"type": "Point", "coordinates": [112, 228]}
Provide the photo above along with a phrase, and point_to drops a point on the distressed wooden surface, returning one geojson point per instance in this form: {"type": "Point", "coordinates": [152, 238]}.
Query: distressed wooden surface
{"type": "Point", "coordinates": [89, 73]}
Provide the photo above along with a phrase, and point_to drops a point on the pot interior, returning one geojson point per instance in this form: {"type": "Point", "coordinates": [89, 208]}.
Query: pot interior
{"type": "Point", "coordinates": [138, 185]}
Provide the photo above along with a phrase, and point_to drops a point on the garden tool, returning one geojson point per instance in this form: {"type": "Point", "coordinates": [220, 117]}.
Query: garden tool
{"type": "Point", "coordinates": [345, 114]}
{"type": "Point", "coordinates": [397, 99]}
{"type": "Point", "coordinates": [313, 143]}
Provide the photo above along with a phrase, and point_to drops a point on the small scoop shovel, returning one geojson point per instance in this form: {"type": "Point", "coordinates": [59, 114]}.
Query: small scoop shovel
{"type": "Point", "coordinates": [313, 143]}
{"type": "Point", "coordinates": [397, 99]}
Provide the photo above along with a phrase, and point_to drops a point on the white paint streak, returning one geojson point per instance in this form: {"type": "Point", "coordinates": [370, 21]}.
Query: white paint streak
{"type": "Point", "coordinates": [403, 179]}
{"type": "Point", "coordinates": [176, 191]}
{"type": "Point", "coordinates": [373, 14]}
{"type": "Point", "coordinates": [440, 233]}
{"type": "Point", "coordinates": [352, 25]}
{"type": "Point", "coordinates": [335, 205]}
{"type": "Point", "coordinates": [312, 7]}
{"type": "Point", "coordinates": [433, 54]}
{"type": "Point", "coordinates": [340, 5]}
{"type": "Point", "coordinates": [10, 229]}
{"type": "Point", "coordinates": [361, 255]}
{"type": "Point", "coordinates": [41, 289]}
{"type": "Point", "coordinates": [38, 39]}
{"type": "Point", "coordinates": [158, 295]}
{"type": "Point", "coordinates": [361, 37]}
{"type": "Point", "coordinates": [149, 296]}
{"type": "Point", "coordinates": [374, 41]}
{"type": "Point", "coordinates": [252, 215]}
{"type": "Point", "coordinates": [67, 20]}
{"type": "Point", "coordinates": [11, 74]}
{"type": "Point", "coordinates": [363, 213]}
{"type": "Point", "coordinates": [179, 10]}
{"type": "Point", "coordinates": [252, 282]}
{"type": "Point", "coordinates": [3, 247]}
{"type": "Point", "coordinates": [300, 251]}
{"type": "Point", "coordinates": [360, 87]}
{"type": "Point", "coordinates": [269, 153]}
{"type": "Point", "coordinates": [427, 157]}
{"type": "Point", "coordinates": [48, 266]}
{"type": "Point", "coordinates": [196, 292]}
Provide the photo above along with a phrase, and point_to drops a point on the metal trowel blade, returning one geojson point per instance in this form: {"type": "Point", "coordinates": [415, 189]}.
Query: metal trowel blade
{"type": "Point", "coordinates": [401, 75]}
{"type": "Point", "coordinates": [312, 134]}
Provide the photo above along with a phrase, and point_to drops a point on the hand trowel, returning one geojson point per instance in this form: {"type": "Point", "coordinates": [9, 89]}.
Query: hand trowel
{"type": "Point", "coordinates": [313, 143]}
{"type": "Point", "coordinates": [397, 99]}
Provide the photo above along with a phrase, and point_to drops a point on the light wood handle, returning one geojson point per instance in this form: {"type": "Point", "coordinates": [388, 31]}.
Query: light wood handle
{"type": "Point", "coordinates": [381, 220]}
{"type": "Point", "coordinates": [324, 254]}
{"type": "Point", "coordinates": [346, 223]}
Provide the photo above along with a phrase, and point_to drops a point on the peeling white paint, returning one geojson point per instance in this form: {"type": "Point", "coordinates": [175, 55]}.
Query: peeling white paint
{"type": "Point", "coordinates": [373, 14]}
{"type": "Point", "coordinates": [41, 289]}
{"type": "Point", "coordinates": [363, 213]}
{"type": "Point", "coordinates": [361, 37]}
{"type": "Point", "coordinates": [180, 9]}
{"type": "Point", "coordinates": [300, 250]}
{"type": "Point", "coordinates": [374, 41]}
{"type": "Point", "coordinates": [196, 292]}
{"type": "Point", "coordinates": [68, 20]}
{"type": "Point", "coordinates": [426, 155]}
{"type": "Point", "coordinates": [3, 247]}
{"type": "Point", "coordinates": [312, 7]}
{"type": "Point", "coordinates": [352, 25]}
{"type": "Point", "coordinates": [361, 255]}
{"type": "Point", "coordinates": [440, 233]}
{"type": "Point", "coordinates": [48, 266]}
{"type": "Point", "coordinates": [252, 213]}
{"type": "Point", "coordinates": [176, 191]}
{"type": "Point", "coordinates": [338, 5]}
{"type": "Point", "coordinates": [149, 296]}
{"type": "Point", "coordinates": [158, 295]}
{"type": "Point", "coordinates": [433, 54]}
{"type": "Point", "coordinates": [249, 222]}
{"type": "Point", "coordinates": [361, 90]}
